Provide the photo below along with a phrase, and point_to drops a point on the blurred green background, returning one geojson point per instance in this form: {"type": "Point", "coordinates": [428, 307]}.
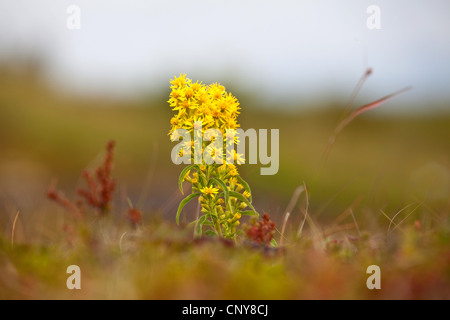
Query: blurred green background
{"type": "Point", "coordinates": [384, 161]}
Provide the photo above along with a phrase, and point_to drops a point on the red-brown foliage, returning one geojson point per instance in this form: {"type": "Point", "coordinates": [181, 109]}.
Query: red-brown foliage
{"type": "Point", "coordinates": [100, 188]}
{"type": "Point", "coordinates": [261, 231]}
{"type": "Point", "coordinates": [98, 194]}
{"type": "Point", "coordinates": [72, 208]}
{"type": "Point", "coordinates": [135, 216]}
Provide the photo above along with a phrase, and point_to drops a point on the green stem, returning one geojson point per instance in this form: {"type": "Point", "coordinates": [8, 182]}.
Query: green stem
{"type": "Point", "coordinates": [217, 224]}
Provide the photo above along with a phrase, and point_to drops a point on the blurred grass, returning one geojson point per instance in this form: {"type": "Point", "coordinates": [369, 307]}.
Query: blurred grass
{"type": "Point", "coordinates": [163, 262]}
{"type": "Point", "coordinates": [386, 161]}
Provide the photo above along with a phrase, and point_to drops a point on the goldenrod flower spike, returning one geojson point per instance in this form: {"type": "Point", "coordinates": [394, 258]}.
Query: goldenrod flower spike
{"type": "Point", "coordinates": [197, 108]}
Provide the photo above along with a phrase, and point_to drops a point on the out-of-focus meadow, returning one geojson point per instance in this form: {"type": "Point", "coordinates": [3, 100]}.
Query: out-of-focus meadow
{"type": "Point", "coordinates": [380, 197]}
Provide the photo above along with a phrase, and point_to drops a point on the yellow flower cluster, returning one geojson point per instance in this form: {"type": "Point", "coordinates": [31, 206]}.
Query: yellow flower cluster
{"type": "Point", "coordinates": [223, 195]}
{"type": "Point", "coordinates": [194, 101]}
{"type": "Point", "coordinates": [226, 216]}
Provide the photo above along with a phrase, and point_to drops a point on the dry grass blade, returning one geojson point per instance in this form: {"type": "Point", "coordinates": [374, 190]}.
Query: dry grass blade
{"type": "Point", "coordinates": [286, 218]}
{"type": "Point", "coordinates": [387, 217]}
{"type": "Point", "coordinates": [390, 220]}
{"type": "Point", "coordinates": [369, 106]}
{"type": "Point", "coordinates": [336, 225]}
{"type": "Point", "coordinates": [393, 218]}
{"type": "Point", "coordinates": [356, 113]}
{"type": "Point", "coordinates": [337, 229]}
{"type": "Point", "coordinates": [407, 216]}
{"type": "Point", "coordinates": [356, 223]}
{"type": "Point", "coordinates": [356, 91]}
{"type": "Point", "coordinates": [13, 231]}
{"type": "Point", "coordinates": [297, 192]}
{"type": "Point", "coordinates": [347, 211]}
{"type": "Point", "coordinates": [120, 241]}
{"type": "Point", "coordinates": [300, 227]}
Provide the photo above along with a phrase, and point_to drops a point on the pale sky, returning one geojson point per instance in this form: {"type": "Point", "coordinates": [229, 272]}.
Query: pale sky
{"type": "Point", "coordinates": [282, 50]}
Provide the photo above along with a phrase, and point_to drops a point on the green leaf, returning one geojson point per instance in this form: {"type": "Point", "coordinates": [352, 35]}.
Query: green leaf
{"type": "Point", "coordinates": [246, 186]}
{"type": "Point", "coordinates": [205, 223]}
{"type": "Point", "coordinates": [210, 233]}
{"type": "Point", "coordinates": [249, 213]}
{"type": "Point", "coordinates": [183, 174]}
{"type": "Point", "coordinates": [273, 243]}
{"type": "Point", "coordinates": [184, 202]}
{"type": "Point", "coordinates": [200, 223]}
{"type": "Point", "coordinates": [239, 196]}
{"type": "Point", "coordinates": [208, 223]}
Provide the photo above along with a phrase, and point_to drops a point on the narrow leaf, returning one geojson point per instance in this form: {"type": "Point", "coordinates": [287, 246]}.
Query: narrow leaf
{"type": "Point", "coordinates": [249, 213]}
{"type": "Point", "coordinates": [182, 175]}
{"type": "Point", "coordinates": [356, 113]}
{"type": "Point", "coordinates": [210, 233]}
{"type": "Point", "coordinates": [246, 187]}
{"type": "Point", "coordinates": [239, 196]}
{"type": "Point", "coordinates": [273, 243]}
{"type": "Point", "coordinates": [369, 106]}
{"type": "Point", "coordinates": [183, 203]}
{"type": "Point", "coordinates": [199, 225]}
